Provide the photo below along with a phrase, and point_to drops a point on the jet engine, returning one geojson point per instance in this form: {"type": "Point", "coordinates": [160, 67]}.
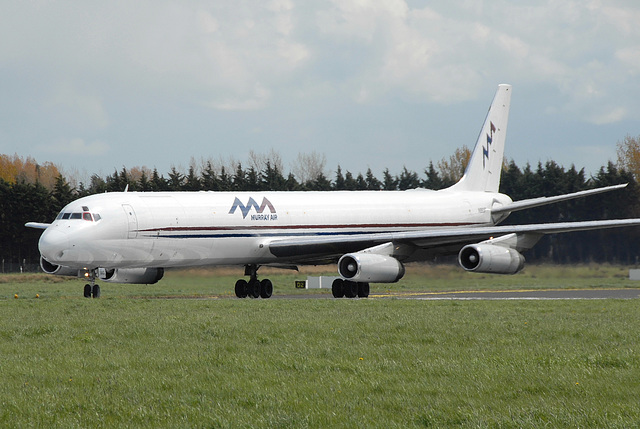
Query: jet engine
{"type": "Point", "coordinates": [488, 258]}
{"type": "Point", "coordinates": [131, 275]}
{"type": "Point", "coordinates": [58, 270]}
{"type": "Point", "coordinates": [370, 267]}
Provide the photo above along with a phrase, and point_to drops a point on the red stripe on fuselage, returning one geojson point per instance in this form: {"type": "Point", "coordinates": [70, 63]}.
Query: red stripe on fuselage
{"type": "Point", "coordinates": [354, 226]}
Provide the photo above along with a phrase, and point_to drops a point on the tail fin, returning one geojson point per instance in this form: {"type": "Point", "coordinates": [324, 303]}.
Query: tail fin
{"type": "Point", "coordinates": [485, 164]}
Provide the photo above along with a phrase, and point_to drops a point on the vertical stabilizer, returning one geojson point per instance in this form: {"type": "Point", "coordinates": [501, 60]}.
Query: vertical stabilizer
{"type": "Point", "coordinates": [485, 164]}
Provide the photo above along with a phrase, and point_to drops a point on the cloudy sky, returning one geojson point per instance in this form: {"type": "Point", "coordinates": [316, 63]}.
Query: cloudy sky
{"type": "Point", "coordinates": [97, 86]}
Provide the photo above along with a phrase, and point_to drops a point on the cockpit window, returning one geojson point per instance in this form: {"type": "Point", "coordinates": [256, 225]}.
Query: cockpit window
{"type": "Point", "coordinates": [91, 217]}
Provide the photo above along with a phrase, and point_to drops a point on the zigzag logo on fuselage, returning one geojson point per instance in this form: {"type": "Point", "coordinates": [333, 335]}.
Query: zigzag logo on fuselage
{"type": "Point", "coordinates": [251, 205]}
{"type": "Point", "coordinates": [485, 149]}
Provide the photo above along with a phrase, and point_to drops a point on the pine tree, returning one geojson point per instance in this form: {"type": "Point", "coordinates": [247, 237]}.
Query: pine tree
{"type": "Point", "coordinates": [158, 182]}
{"type": "Point", "coordinates": [408, 180]}
{"type": "Point", "coordinates": [433, 180]}
{"type": "Point", "coordinates": [192, 182]}
{"type": "Point", "coordinates": [209, 178]}
{"type": "Point", "coordinates": [339, 184]}
{"type": "Point", "coordinates": [62, 193]}
{"type": "Point", "coordinates": [176, 180]}
{"type": "Point", "coordinates": [239, 179]}
{"type": "Point", "coordinates": [390, 183]}
{"type": "Point", "coordinates": [372, 183]}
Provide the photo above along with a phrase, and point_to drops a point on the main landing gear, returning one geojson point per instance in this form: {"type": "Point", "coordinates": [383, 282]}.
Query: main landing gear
{"type": "Point", "coordinates": [92, 289]}
{"type": "Point", "coordinates": [345, 288]}
{"type": "Point", "coordinates": [253, 288]}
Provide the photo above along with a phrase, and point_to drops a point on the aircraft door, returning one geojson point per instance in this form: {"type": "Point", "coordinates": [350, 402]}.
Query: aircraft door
{"type": "Point", "coordinates": [132, 221]}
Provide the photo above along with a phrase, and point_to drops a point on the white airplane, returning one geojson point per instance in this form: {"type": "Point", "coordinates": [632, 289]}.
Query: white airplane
{"type": "Point", "coordinates": [131, 237]}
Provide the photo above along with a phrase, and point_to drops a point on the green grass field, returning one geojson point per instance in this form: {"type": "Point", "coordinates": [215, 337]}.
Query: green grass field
{"type": "Point", "coordinates": [220, 282]}
{"type": "Point", "coordinates": [130, 360]}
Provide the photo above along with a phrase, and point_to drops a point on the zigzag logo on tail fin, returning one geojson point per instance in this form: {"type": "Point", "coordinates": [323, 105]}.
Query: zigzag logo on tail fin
{"type": "Point", "coordinates": [485, 165]}
{"type": "Point", "coordinates": [485, 150]}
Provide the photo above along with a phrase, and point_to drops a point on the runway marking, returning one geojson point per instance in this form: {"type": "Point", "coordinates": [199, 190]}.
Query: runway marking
{"type": "Point", "coordinates": [388, 294]}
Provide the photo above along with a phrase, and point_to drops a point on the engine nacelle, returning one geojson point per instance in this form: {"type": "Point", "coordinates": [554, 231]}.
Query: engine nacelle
{"type": "Point", "coordinates": [488, 258]}
{"type": "Point", "coordinates": [136, 276]}
{"type": "Point", "coordinates": [58, 270]}
{"type": "Point", "coordinates": [370, 267]}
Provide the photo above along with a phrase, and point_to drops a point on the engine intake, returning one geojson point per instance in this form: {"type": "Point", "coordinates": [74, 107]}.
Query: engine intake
{"type": "Point", "coordinates": [58, 270]}
{"type": "Point", "coordinates": [488, 258]}
{"type": "Point", "coordinates": [136, 276]}
{"type": "Point", "coordinates": [370, 267]}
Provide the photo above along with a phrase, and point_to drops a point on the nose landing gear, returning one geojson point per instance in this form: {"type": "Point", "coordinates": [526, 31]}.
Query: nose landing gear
{"type": "Point", "coordinates": [92, 289]}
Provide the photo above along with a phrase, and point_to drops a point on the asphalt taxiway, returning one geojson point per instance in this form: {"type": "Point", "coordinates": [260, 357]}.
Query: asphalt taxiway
{"type": "Point", "coordinates": [548, 294]}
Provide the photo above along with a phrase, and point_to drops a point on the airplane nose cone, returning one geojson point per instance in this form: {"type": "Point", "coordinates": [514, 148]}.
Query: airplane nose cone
{"type": "Point", "coordinates": [53, 244]}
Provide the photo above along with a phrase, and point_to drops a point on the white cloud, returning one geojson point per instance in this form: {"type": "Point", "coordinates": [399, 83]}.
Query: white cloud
{"type": "Point", "coordinates": [630, 56]}
{"type": "Point", "coordinates": [77, 147]}
{"type": "Point", "coordinates": [74, 107]}
{"type": "Point", "coordinates": [206, 22]}
{"type": "Point", "coordinates": [256, 100]}
{"type": "Point", "coordinates": [610, 116]}
{"type": "Point", "coordinates": [94, 63]}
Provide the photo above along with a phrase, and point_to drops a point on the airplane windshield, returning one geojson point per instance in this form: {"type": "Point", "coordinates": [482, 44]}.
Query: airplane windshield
{"type": "Point", "coordinates": [84, 215]}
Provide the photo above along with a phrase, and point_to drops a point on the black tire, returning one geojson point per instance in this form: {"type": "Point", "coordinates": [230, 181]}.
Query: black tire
{"type": "Point", "coordinates": [350, 289]}
{"type": "Point", "coordinates": [96, 291]}
{"type": "Point", "coordinates": [363, 290]}
{"type": "Point", "coordinates": [266, 288]}
{"type": "Point", "coordinates": [254, 288]}
{"type": "Point", "coordinates": [241, 288]}
{"type": "Point", "coordinates": [87, 290]}
{"type": "Point", "coordinates": [337, 288]}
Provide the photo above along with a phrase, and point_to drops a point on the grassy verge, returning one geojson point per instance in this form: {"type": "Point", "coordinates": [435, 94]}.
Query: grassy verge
{"type": "Point", "coordinates": [419, 277]}
{"type": "Point", "coordinates": [318, 363]}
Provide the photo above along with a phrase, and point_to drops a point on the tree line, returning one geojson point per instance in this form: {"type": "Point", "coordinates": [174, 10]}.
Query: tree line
{"type": "Point", "coordinates": [25, 198]}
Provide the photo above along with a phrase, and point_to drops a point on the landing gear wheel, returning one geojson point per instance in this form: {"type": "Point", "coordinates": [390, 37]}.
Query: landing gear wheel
{"type": "Point", "coordinates": [350, 289]}
{"type": "Point", "coordinates": [254, 288]}
{"type": "Point", "coordinates": [87, 290]}
{"type": "Point", "coordinates": [95, 292]}
{"type": "Point", "coordinates": [241, 288]}
{"type": "Point", "coordinates": [337, 288]}
{"type": "Point", "coordinates": [363, 290]}
{"type": "Point", "coordinates": [266, 288]}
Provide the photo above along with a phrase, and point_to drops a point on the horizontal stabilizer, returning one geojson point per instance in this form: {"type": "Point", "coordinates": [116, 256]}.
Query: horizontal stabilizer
{"type": "Point", "coordinates": [541, 201]}
{"type": "Point", "coordinates": [37, 225]}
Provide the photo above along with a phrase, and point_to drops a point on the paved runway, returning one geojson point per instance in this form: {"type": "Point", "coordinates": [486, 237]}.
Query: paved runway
{"type": "Point", "coordinates": [491, 295]}
{"type": "Point", "coordinates": [520, 294]}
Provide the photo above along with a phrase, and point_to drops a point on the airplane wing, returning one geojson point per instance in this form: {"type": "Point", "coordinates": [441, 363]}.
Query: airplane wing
{"type": "Point", "coordinates": [37, 225]}
{"type": "Point", "coordinates": [309, 248]}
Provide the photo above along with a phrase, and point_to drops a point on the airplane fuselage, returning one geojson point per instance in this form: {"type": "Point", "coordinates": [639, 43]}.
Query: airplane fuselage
{"type": "Point", "coordinates": [178, 229]}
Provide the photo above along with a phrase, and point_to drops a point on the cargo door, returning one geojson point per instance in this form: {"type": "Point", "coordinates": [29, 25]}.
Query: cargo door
{"type": "Point", "coordinates": [132, 221]}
